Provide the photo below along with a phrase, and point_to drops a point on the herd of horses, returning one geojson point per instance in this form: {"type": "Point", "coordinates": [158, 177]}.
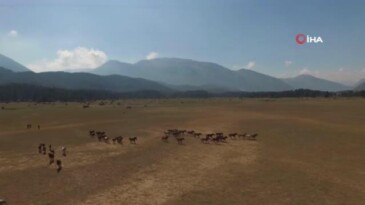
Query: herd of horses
{"type": "Point", "coordinates": [179, 136]}
{"type": "Point", "coordinates": [42, 149]}
{"type": "Point", "coordinates": [217, 137]}
{"type": "Point", "coordinates": [29, 126]}
{"type": "Point", "coordinates": [101, 136]}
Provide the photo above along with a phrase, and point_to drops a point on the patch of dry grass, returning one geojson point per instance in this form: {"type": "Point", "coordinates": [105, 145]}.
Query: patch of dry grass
{"type": "Point", "coordinates": [309, 151]}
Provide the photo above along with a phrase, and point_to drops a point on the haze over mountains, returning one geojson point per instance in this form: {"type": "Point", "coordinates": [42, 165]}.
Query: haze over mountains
{"type": "Point", "coordinates": [313, 83]}
{"type": "Point", "coordinates": [162, 74]}
{"type": "Point", "coordinates": [174, 71]}
{"type": "Point", "coordinates": [360, 85]}
{"type": "Point", "coordinates": [85, 81]}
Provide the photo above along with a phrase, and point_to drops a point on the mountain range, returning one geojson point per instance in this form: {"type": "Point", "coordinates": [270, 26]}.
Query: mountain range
{"type": "Point", "coordinates": [77, 81]}
{"type": "Point", "coordinates": [162, 74]}
{"type": "Point", "coordinates": [313, 83]}
{"type": "Point", "coordinates": [360, 85]}
{"type": "Point", "coordinates": [180, 72]}
{"type": "Point", "coordinates": [11, 64]}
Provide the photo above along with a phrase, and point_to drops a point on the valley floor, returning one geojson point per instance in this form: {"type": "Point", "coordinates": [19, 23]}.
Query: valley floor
{"type": "Point", "coordinates": [308, 151]}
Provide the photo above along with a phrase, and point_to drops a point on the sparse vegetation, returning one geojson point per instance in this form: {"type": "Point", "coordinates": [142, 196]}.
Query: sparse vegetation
{"type": "Point", "coordinates": [309, 151]}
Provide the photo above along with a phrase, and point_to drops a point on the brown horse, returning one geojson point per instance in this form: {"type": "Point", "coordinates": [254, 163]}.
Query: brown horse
{"type": "Point", "coordinates": [100, 135]}
{"type": "Point", "coordinates": [51, 158]}
{"type": "Point", "coordinates": [133, 140]}
{"type": "Point", "coordinates": [40, 147]}
{"type": "Point", "coordinates": [252, 136]}
{"type": "Point", "coordinates": [165, 138]}
{"type": "Point", "coordinates": [232, 135]}
{"type": "Point", "coordinates": [3, 202]}
{"type": "Point", "coordinates": [215, 139]}
{"type": "Point", "coordinates": [223, 138]}
{"type": "Point", "coordinates": [242, 136]}
{"type": "Point", "coordinates": [197, 134]}
{"type": "Point", "coordinates": [63, 149]}
{"type": "Point", "coordinates": [59, 165]}
{"type": "Point", "coordinates": [180, 140]}
{"type": "Point", "coordinates": [205, 139]}
{"type": "Point", "coordinates": [118, 139]}
{"type": "Point", "coordinates": [209, 135]}
{"type": "Point", "coordinates": [44, 149]}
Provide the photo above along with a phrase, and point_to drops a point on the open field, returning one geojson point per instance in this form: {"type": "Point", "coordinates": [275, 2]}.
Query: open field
{"type": "Point", "coordinates": [308, 151]}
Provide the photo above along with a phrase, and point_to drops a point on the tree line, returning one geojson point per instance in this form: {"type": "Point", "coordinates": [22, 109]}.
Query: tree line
{"type": "Point", "coordinates": [25, 93]}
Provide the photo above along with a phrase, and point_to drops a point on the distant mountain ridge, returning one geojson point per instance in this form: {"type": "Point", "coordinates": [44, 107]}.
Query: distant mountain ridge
{"type": "Point", "coordinates": [313, 83]}
{"type": "Point", "coordinates": [179, 72]}
{"type": "Point", "coordinates": [115, 83]}
{"type": "Point", "coordinates": [256, 81]}
{"type": "Point", "coordinates": [360, 86]}
{"type": "Point", "coordinates": [165, 73]}
{"type": "Point", "coordinates": [360, 82]}
{"type": "Point", "coordinates": [12, 65]}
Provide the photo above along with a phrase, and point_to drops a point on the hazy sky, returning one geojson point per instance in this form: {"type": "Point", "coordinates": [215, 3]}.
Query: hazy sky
{"type": "Point", "coordinates": [256, 34]}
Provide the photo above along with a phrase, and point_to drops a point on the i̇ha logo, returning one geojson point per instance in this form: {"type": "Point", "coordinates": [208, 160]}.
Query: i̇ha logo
{"type": "Point", "coordinates": [301, 39]}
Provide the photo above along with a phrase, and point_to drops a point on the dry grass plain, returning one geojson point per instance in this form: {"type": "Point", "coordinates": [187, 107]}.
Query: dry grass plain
{"type": "Point", "coordinates": [309, 151]}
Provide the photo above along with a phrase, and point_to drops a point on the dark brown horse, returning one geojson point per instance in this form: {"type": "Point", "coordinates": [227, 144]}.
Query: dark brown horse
{"type": "Point", "coordinates": [59, 165]}
{"type": "Point", "coordinates": [40, 148]}
{"type": "Point", "coordinates": [118, 139]}
{"type": "Point", "coordinates": [51, 158]}
{"type": "Point", "coordinates": [133, 140]}
{"type": "Point", "coordinates": [44, 149]}
{"type": "Point", "coordinates": [223, 138]}
{"type": "Point", "coordinates": [205, 139]}
{"type": "Point", "coordinates": [3, 202]}
{"type": "Point", "coordinates": [101, 135]}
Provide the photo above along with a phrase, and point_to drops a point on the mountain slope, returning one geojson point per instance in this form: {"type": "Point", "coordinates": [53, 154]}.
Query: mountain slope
{"type": "Point", "coordinates": [182, 71]}
{"type": "Point", "coordinates": [260, 82]}
{"type": "Point", "coordinates": [64, 80]}
{"type": "Point", "coordinates": [115, 67]}
{"type": "Point", "coordinates": [313, 83]}
{"type": "Point", "coordinates": [10, 64]}
{"type": "Point", "coordinates": [189, 74]}
{"type": "Point", "coordinates": [360, 86]}
{"type": "Point", "coordinates": [358, 83]}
